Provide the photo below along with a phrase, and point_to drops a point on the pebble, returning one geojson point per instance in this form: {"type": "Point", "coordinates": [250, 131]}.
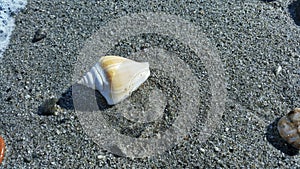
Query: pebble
{"type": "Point", "coordinates": [202, 150]}
{"type": "Point", "coordinates": [226, 129]}
{"type": "Point", "coordinates": [58, 132]}
{"type": "Point", "coordinates": [49, 107]}
{"type": "Point", "coordinates": [278, 70]}
{"type": "Point", "coordinates": [39, 35]}
{"type": "Point", "coordinates": [100, 157]}
{"type": "Point", "coordinates": [27, 159]}
{"type": "Point", "coordinates": [288, 127]}
{"type": "Point", "coordinates": [216, 149]}
{"type": "Point", "coordinates": [27, 96]}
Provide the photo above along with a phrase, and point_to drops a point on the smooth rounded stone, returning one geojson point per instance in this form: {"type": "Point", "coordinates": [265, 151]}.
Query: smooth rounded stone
{"type": "Point", "coordinates": [100, 157]}
{"type": "Point", "coordinates": [289, 128]}
{"type": "Point", "coordinates": [202, 150]}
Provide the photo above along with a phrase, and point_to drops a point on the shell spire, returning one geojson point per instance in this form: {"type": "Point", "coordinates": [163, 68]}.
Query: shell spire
{"type": "Point", "coordinates": [116, 77]}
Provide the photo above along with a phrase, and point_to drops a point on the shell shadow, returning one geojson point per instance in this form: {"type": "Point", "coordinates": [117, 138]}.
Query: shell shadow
{"type": "Point", "coordinates": [275, 139]}
{"type": "Point", "coordinates": [294, 10]}
{"type": "Point", "coordinates": [66, 100]}
{"type": "Point", "coordinates": [90, 100]}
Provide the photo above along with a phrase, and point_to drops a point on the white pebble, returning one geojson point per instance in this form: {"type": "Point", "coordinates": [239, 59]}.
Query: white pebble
{"type": "Point", "coordinates": [27, 96]}
{"type": "Point", "coordinates": [278, 70]}
{"type": "Point", "coordinates": [100, 157]}
{"type": "Point", "coordinates": [217, 149]}
{"type": "Point", "coordinates": [202, 150]}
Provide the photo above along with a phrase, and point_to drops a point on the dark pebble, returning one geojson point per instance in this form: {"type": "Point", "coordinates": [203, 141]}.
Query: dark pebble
{"type": "Point", "coordinates": [27, 159]}
{"type": "Point", "coordinates": [49, 107]}
{"type": "Point", "coordinates": [39, 35]}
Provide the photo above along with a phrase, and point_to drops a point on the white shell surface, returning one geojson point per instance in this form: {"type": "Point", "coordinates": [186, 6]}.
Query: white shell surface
{"type": "Point", "coordinates": [116, 77]}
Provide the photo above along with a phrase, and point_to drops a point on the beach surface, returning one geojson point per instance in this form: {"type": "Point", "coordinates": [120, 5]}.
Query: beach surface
{"type": "Point", "coordinates": [250, 48]}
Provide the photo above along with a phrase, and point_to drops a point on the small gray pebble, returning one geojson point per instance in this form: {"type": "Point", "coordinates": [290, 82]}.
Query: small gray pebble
{"type": "Point", "coordinates": [39, 35]}
{"type": "Point", "coordinates": [27, 159]}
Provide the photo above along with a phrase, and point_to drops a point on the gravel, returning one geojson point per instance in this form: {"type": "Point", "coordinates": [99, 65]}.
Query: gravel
{"type": "Point", "coordinates": [252, 37]}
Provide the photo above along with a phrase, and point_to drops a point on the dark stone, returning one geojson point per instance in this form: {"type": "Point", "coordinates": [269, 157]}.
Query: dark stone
{"type": "Point", "coordinates": [27, 159]}
{"type": "Point", "coordinates": [49, 107]}
{"type": "Point", "coordinates": [39, 35]}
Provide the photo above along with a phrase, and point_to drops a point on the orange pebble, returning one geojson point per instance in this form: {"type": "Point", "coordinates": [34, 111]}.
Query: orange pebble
{"type": "Point", "coordinates": [2, 149]}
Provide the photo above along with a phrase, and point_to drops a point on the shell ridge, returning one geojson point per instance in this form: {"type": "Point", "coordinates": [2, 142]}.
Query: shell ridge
{"type": "Point", "coordinates": [100, 82]}
{"type": "Point", "coordinates": [90, 79]}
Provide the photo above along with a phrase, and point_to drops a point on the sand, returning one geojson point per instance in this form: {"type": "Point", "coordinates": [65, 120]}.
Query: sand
{"type": "Point", "coordinates": [251, 39]}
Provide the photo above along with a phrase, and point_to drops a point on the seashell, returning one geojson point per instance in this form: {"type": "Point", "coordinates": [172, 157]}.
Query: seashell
{"type": "Point", "coordinates": [116, 77]}
{"type": "Point", "coordinates": [2, 149]}
{"type": "Point", "coordinates": [289, 128]}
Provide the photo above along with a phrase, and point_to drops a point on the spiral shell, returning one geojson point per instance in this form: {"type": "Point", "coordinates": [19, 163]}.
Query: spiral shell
{"type": "Point", "coordinates": [289, 128]}
{"type": "Point", "coordinates": [116, 77]}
